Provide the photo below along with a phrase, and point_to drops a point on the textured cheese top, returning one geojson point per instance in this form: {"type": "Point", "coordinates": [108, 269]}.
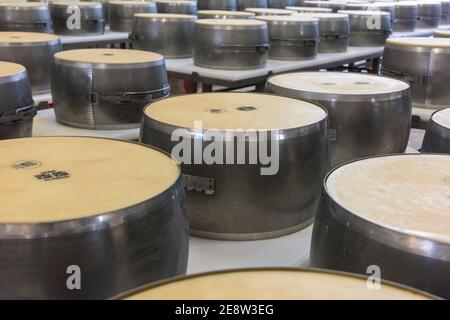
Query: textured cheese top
{"type": "Point", "coordinates": [109, 56]}
{"type": "Point", "coordinates": [25, 37]}
{"type": "Point", "coordinates": [442, 33]}
{"type": "Point", "coordinates": [309, 9]}
{"type": "Point", "coordinates": [371, 6]}
{"type": "Point", "coordinates": [273, 284]}
{"type": "Point", "coordinates": [407, 193]}
{"type": "Point", "coordinates": [325, 16]}
{"type": "Point", "coordinates": [364, 13]}
{"type": "Point", "coordinates": [337, 83]}
{"type": "Point", "coordinates": [225, 13]}
{"type": "Point", "coordinates": [63, 178]}
{"type": "Point", "coordinates": [407, 4]}
{"type": "Point", "coordinates": [234, 111]}
{"type": "Point", "coordinates": [429, 3]}
{"type": "Point", "coordinates": [442, 117]}
{"type": "Point", "coordinates": [8, 69]}
{"type": "Point", "coordinates": [269, 11]}
{"type": "Point", "coordinates": [231, 22]}
{"type": "Point", "coordinates": [326, 2]}
{"type": "Point", "coordinates": [165, 16]}
{"type": "Point", "coordinates": [294, 18]}
{"type": "Point", "coordinates": [420, 42]}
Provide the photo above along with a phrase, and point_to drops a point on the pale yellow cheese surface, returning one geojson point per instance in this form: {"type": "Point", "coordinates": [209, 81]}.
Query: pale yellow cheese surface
{"type": "Point", "coordinates": [442, 33]}
{"type": "Point", "coordinates": [223, 111]}
{"type": "Point", "coordinates": [325, 16]}
{"type": "Point", "coordinates": [293, 18]}
{"type": "Point", "coordinates": [442, 117]}
{"type": "Point", "coordinates": [274, 284]}
{"type": "Point", "coordinates": [309, 9]}
{"type": "Point", "coordinates": [165, 16]}
{"type": "Point", "coordinates": [326, 2]}
{"type": "Point", "coordinates": [337, 83]}
{"type": "Point", "coordinates": [364, 13]}
{"type": "Point", "coordinates": [409, 193]}
{"type": "Point", "coordinates": [8, 69]}
{"type": "Point", "coordinates": [371, 6]}
{"type": "Point", "coordinates": [25, 37]}
{"type": "Point", "coordinates": [108, 56]}
{"type": "Point", "coordinates": [269, 11]}
{"type": "Point", "coordinates": [104, 176]}
{"type": "Point", "coordinates": [428, 3]}
{"type": "Point", "coordinates": [420, 42]}
{"type": "Point", "coordinates": [231, 22]}
{"type": "Point", "coordinates": [225, 13]}
{"type": "Point", "coordinates": [407, 4]}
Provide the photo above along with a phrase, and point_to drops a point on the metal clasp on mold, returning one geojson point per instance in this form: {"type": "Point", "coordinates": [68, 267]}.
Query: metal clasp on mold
{"type": "Point", "coordinates": [199, 184]}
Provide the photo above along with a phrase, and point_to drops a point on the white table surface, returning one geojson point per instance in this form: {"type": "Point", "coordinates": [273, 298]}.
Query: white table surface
{"type": "Point", "coordinates": [42, 98]}
{"type": "Point", "coordinates": [106, 37]}
{"type": "Point", "coordinates": [287, 251]}
{"type": "Point", "coordinates": [186, 66]}
{"type": "Point", "coordinates": [45, 125]}
{"type": "Point", "coordinates": [423, 114]}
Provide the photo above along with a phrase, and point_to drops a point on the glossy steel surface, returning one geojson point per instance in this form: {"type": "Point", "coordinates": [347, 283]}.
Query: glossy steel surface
{"type": "Point", "coordinates": [246, 205]}
{"type": "Point", "coordinates": [183, 7]}
{"type": "Point", "coordinates": [28, 19]}
{"type": "Point", "coordinates": [425, 68]}
{"type": "Point", "coordinates": [92, 19]}
{"type": "Point", "coordinates": [38, 64]}
{"type": "Point", "coordinates": [115, 99]}
{"type": "Point", "coordinates": [437, 137]}
{"type": "Point", "coordinates": [293, 40]}
{"type": "Point", "coordinates": [16, 110]}
{"type": "Point", "coordinates": [361, 125]}
{"type": "Point", "coordinates": [120, 15]}
{"type": "Point", "coordinates": [429, 15]}
{"type": "Point", "coordinates": [171, 37]}
{"type": "Point", "coordinates": [280, 4]}
{"type": "Point", "coordinates": [244, 4]}
{"type": "Point", "coordinates": [344, 241]}
{"type": "Point", "coordinates": [217, 4]}
{"type": "Point", "coordinates": [379, 6]}
{"type": "Point", "coordinates": [445, 20]}
{"type": "Point", "coordinates": [334, 32]}
{"type": "Point", "coordinates": [333, 5]}
{"type": "Point", "coordinates": [406, 16]}
{"type": "Point", "coordinates": [363, 36]}
{"type": "Point", "coordinates": [115, 251]}
{"type": "Point", "coordinates": [231, 47]}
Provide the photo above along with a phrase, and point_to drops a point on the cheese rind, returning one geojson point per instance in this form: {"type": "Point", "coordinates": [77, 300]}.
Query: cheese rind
{"type": "Point", "coordinates": [406, 193]}
{"type": "Point", "coordinates": [62, 178]}
{"type": "Point", "coordinates": [338, 83]}
{"type": "Point", "coordinates": [273, 284]}
{"type": "Point", "coordinates": [234, 111]}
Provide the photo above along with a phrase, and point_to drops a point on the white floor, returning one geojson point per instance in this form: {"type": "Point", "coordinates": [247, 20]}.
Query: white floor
{"type": "Point", "coordinates": [288, 251]}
